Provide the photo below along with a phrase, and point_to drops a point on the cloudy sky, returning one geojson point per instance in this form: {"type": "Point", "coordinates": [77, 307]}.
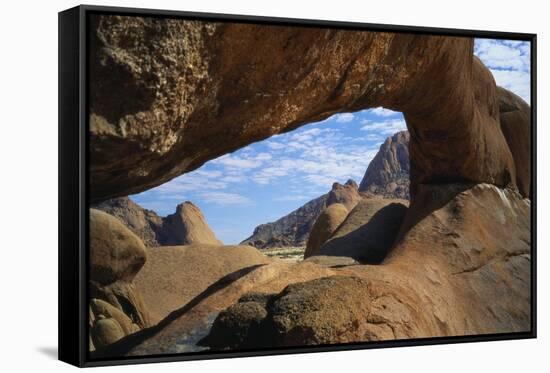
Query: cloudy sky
{"type": "Point", "coordinates": [266, 180]}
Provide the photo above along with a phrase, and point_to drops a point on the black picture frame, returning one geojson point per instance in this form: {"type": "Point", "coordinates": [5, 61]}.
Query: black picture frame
{"type": "Point", "coordinates": [74, 192]}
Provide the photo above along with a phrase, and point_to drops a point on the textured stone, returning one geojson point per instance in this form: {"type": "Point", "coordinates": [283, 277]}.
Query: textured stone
{"type": "Point", "coordinates": [388, 173]}
{"type": "Point", "coordinates": [168, 95]}
{"type": "Point", "coordinates": [459, 269]}
{"type": "Point", "coordinates": [346, 194]}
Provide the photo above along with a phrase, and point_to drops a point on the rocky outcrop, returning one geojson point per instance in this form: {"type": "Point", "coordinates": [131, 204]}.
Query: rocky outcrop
{"type": "Point", "coordinates": [388, 173]}
{"type": "Point", "coordinates": [347, 194]}
{"type": "Point", "coordinates": [174, 275]}
{"type": "Point", "coordinates": [368, 232]}
{"type": "Point", "coordinates": [187, 226]}
{"type": "Point", "coordinates": [170, 94]}
{"type": "Point", "coordinates": [116, 256]}
{"type": "Point", "coordinates": [460, 270]}
{"type": "Point", "coordinates": [293, 229]}
{"type": "Point", "coordinates": [325, 225]}
{"type": "Point", "coordinates": [290, 230]}
{"type": "Point", "coordinates": [146, 224]}
{"type": "Point", "coordinates": [515, 122]}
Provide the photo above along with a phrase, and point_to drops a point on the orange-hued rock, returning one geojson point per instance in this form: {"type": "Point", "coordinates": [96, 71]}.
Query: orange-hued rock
{"type": "Point", "coordinates": [187, 226]}
{"type": "Point", "coordinates": [347, 194]}
{"type": "Point", "coordinates": [115, 252]}
{"type": "Point", "coordinates": [174, 275]}
{"type": "Point", "coordinates": [515, 122]}
{"type": "Point", "coordinates": [459, 269]}
{"type": "Point", "coordinates": [368, 232]}
{"type": "Point", "coordinates": [388, 173]}
{"type": "Point", "coordinates": [325, 225]}
{"type": "Point", "coordinates": [167, 95]}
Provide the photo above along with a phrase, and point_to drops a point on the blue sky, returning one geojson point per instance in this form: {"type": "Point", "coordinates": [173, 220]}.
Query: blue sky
{"type": "Point", "coordinates": [266, 180]}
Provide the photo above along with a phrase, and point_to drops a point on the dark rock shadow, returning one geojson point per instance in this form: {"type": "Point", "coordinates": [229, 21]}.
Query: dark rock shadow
{"type": "Point", "coordinates": [126, 344]}
{"type": "Point", "coordinates": [371, 242]}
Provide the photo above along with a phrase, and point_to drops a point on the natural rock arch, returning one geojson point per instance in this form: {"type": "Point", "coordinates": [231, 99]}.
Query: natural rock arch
{"type": "Point", "coordinates": [167, 95]}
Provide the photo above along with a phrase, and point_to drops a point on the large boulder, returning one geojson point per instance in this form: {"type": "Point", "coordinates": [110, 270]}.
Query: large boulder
{"type": "Point", "coordinates": [368, 232]}
{"type": "Point", "coordinates": [115, 252]}
{"type": "Point", "coordinates": [388, 173]}
{"type": "Point", "coordinates": [325, 225]}
{"type": "Point", "coordinates": [174, 275]}
{"type": "Point", "coordinates": [187, 226]}
{"type": "Point", "coordinates": [106, 331]}
{"type": "Point", "coordinates": [146, 224]}
{"type": "Point", "coordinates": [515, 122]}
{"type": "Point", "coordinates": [116, 256]}
{"type": "Point", "coordinates": [168, 95]}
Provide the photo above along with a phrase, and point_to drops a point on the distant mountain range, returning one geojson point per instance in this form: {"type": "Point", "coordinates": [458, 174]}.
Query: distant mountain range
{"type": "Point", "coordinates": [387, 176]}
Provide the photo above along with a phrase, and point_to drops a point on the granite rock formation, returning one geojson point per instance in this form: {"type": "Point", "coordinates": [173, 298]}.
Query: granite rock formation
{"type": "Point", "coordinates": [328, 221]}
{"type": "Point", "coordinates": [186, 226]}
{"type": "Point", "coordinates": [116, 256]}
{"type": "Point", "coordinates": [188, 92]}
{"type": "Point", "coordinates": [368, 232]}
{"type": "Point", "coordinates": [293, 229]}
{"type": "Point", "coordinates": [388, 173]}
{"type": "Point", "coordinates": [459, 269]}
{"type": "Point", "coordinates": [146, 224]}
{"type": "Point", "coordinates": [515, 122]}
{"type": "Point", "coordinates": [174, 275]}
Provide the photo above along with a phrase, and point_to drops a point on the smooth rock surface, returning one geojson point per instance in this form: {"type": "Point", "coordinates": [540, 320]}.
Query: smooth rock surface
{"type": "Point", "coordinates": [187, 226]}
{"type": "Point", "coordinates": [368, 232]}
{"type": "Point", "coordinates": [325, 225]}
{"type": "Point", "coordinates": [115, 252]}
{"type": "Point", "coordinates": [175, 275]}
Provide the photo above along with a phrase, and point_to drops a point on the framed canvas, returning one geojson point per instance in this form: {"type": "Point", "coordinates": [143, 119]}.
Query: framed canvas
{"type": "Point", "coordinates": [236, 186]}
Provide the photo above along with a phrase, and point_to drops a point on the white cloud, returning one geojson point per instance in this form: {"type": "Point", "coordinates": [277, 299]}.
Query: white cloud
{"type": "Point", "coordinates": [500, 54]}
{"type": "Point", "coordinates": [344, 117]}
{"type": "Point", "coordinates": [518, 82]}
{"type": "Point", "coordinates": [275, 145]}
{"type": "Point", "coordinates": [509, 62]}
{"type": "Point", "coordinates": [382, 112]}
{"type": "Point", "coordinates": [224, 198]}
{"type": "Point", "coordinates": [384, 127]}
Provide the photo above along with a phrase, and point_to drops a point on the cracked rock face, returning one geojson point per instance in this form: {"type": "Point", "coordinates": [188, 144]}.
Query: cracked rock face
{"type": "Point", "coordinates": [168, 95]}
